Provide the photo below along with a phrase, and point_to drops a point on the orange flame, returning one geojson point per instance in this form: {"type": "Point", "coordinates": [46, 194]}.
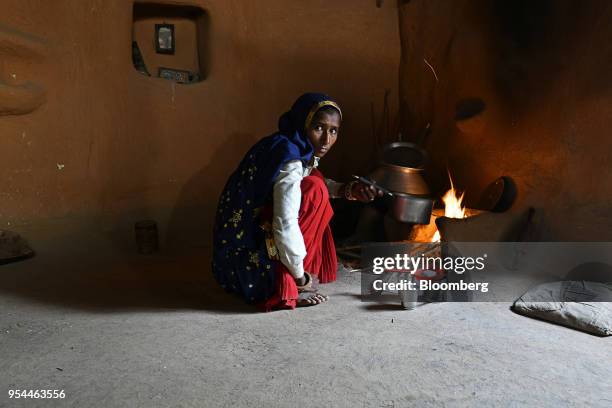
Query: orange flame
{"type": "Point", "coordinates": [453, 206]}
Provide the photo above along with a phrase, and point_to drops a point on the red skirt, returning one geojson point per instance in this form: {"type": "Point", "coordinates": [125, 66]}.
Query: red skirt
{"type": "Point", "coordinates": [320, 261]}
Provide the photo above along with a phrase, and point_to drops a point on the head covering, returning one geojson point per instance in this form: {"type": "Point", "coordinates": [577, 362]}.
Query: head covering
{"type": "Point", "coordinates": [290, 142]}
{"type": "Point", "coordinates": [293, 124]}
{"type": "Point", "coordinates": [237, 234]}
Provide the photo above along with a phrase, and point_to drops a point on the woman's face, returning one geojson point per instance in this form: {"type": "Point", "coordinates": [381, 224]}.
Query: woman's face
{"type": "Point", "coordinates": [323, 132]}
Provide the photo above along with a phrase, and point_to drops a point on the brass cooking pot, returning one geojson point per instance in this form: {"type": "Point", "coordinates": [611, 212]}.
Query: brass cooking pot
{"type": "Point", "coordinates": [400, 169]}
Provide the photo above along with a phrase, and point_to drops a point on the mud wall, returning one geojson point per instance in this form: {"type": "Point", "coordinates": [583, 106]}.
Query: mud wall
{"type": "Point", "coordinates": [86, 137]}
{"type": "Point", "coordinates": [517, 88]}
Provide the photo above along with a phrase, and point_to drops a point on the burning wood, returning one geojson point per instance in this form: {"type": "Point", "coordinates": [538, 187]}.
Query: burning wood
{"type": "Point", "coordinates": [453, 208]}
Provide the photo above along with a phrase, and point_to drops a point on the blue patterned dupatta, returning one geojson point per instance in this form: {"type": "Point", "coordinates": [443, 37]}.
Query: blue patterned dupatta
{"type": "Point", "coordinates": [240, 260]}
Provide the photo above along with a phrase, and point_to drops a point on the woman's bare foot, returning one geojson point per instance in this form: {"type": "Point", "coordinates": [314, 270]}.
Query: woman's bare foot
{"type": "Point", "coordinates": [311, 299]}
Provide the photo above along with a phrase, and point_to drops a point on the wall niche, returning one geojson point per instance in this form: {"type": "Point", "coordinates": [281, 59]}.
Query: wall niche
{"type": "Point", "coordinates": [170, 41]}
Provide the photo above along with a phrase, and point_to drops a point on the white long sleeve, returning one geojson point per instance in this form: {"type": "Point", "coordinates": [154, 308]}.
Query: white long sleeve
{"type": "Point", "coordinates": [287, 197]}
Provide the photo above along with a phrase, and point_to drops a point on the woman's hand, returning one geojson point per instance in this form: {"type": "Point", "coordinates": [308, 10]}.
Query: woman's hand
{"type": "Point", "coordinates": [364, 192]}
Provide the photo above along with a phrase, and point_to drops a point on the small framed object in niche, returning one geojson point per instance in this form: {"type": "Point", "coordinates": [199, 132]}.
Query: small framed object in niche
{"type": "Point", "coordinates": [164, 38]}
